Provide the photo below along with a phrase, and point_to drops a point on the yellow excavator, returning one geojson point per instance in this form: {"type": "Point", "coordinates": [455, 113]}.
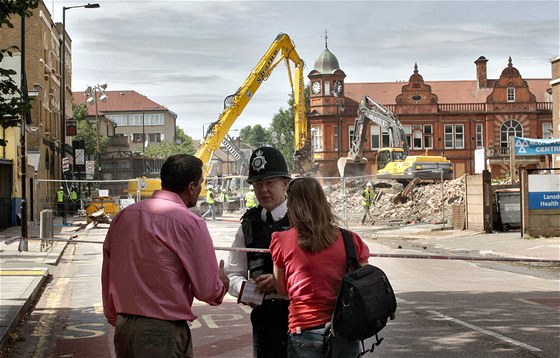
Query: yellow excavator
{"type": "Point", "coordinates": [392, 162]}
{"type": "Point", "coordinates": [282, 49]}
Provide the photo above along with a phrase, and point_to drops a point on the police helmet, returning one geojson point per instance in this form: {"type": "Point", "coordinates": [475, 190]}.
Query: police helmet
{"type": "Point", "coordinates": [265, 163]}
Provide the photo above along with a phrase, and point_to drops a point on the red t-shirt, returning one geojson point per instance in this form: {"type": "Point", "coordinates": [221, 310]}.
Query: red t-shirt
{"type": "Point", "coordinates": [312, 279]}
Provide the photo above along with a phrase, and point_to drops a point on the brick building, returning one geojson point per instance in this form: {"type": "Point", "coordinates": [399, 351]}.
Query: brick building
{"type": "Point", "coordinates": [555, 83]}
{"type": "Point", "coordinates": [451, 118]}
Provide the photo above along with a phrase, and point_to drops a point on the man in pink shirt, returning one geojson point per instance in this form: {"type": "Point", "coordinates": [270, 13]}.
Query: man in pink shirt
{"type": "Point", "coordinates": [157, 256]}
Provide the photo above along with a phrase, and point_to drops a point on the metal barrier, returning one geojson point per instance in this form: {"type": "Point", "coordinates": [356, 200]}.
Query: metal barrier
{"type": "Point", "coordinates": [46, 229]}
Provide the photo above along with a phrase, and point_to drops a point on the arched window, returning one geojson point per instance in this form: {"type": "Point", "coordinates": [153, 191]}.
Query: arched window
{"type": "Point", "coordinates": [508, 129]}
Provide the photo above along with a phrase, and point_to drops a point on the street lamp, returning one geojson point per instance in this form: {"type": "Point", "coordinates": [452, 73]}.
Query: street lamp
{"type": "Point", "coordinates": [63, 83]}
{"type": "Point", "coordinates": [94, 94]}
{"type": "Point", "coordinates": [339, 111]}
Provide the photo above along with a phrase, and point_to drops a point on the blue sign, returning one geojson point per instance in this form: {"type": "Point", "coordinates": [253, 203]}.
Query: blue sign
{"type": "Point", "coordinates": [544, 191]}
{"type": "Point", "coordinates": [529, 146]}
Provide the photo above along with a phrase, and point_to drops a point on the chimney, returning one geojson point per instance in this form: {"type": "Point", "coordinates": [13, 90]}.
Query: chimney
{"type": "Point", "coordinates": [481, 72]}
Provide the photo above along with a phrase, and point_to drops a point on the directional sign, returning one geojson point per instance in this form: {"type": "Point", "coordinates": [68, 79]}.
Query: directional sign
{"type": "Point", "coordinates": [529, 146]}
{"type": "Point", "coordinates": [65, 164]}
{"type": "Point", "coordinates": [90, 169]}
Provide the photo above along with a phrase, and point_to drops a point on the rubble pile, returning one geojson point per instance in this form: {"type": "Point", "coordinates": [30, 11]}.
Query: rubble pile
{"type": "Point", "coordinates": [424, 205]}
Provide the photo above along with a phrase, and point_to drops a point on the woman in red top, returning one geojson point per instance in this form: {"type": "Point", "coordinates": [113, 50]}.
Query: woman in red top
{"type": "Point", "coordinates": [309, 262]}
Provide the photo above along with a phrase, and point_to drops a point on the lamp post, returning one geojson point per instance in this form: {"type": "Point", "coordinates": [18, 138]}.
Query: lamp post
{"type": "Point", "coordinates": [94, 94]}
{"type": "Point", "coordinates": [63, 83]}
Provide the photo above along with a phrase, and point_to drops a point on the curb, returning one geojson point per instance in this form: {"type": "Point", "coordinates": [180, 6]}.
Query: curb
{"type": "Point", "coordinates": [16, 313]}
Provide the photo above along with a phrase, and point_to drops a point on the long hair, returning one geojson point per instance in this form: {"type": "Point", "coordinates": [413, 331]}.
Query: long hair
{"type": "Point", "coordinates": [310, 213]}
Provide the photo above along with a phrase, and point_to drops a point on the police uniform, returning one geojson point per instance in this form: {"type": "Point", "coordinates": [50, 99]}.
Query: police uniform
{"type": "Point", "coordinates": [270, 319]}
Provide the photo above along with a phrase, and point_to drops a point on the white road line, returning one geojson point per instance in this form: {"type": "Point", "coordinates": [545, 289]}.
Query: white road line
{"type": "Point", "coordinates": [485, 331]}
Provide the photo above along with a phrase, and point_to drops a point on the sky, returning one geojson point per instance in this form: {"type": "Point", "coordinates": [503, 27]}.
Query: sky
{"type": "Point", "coordinates": [189, 55]}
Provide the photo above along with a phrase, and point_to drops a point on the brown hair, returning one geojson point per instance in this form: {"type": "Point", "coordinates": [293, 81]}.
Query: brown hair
{"type": "Point", "coordinates": [310, 213]}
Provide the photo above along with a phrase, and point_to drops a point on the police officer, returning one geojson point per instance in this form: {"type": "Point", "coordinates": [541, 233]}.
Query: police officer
{"type": "Point", "coordinates": [367, 199]}
{"type": "Point", "coordinates": [60, 201]}
{"type": "Point", "coordinates": [268, 173]}
{"type": "Point", "coordinates": [250, 198]}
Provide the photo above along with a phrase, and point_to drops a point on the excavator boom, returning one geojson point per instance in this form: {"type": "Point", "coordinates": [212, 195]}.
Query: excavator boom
{"type": "Point", "coordinates": [281, 49]}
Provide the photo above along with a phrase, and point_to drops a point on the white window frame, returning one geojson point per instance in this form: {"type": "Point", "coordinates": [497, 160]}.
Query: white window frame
{"type": "Point", "coordinates": [350, 135]}
{"type": "Point", "coordinates": [479, 135]}
{"type": "Point", "coordinates": [510, 127]}
{"type": "Point", "coordinates": [428, 139]}
{"type": "Point", "coordinates": [137, 137]}
{"type": "Point", "coordinates": [547, 130]}
{"type": "Point", "coordinates": [454, 136]}
{"type": "Point", "coordinates": [155, 137]}
{"type": "Point", "coordinates": [407, 129]}
{"type": "Point", "coordinates": [511, 94]}
{"type": "Point", "coordinates": [327, 88]}
{"type": "Point", "coordinates": [375, 137]}
{"type": "Point", "coordinates": [317, 138]}
{"type": "Point", "coordinates": [119, 119]}
{"type": "Point", "coordinates": [335, 136]}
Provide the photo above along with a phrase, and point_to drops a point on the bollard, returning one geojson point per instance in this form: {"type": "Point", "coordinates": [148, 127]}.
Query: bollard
{"type": "Point", "coordinates": [46, 228]}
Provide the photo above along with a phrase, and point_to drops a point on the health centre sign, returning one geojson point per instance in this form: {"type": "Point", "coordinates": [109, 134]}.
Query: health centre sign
{"type": "Point", "coordinates": [529, 146]}
{"type": "Point", "coordinates": [544, 191]}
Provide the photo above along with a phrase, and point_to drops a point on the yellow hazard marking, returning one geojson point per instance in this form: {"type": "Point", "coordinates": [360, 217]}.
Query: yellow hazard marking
{"type": "Point", "coordinates": [98, 308]}
{"type": "Point", "coordinates": [23, 272]}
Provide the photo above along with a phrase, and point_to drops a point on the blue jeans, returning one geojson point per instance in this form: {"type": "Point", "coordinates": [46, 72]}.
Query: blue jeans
{"type": "Point", "coordinates": [210, 211]}
{"type": "Point", "coordinates": [309, 344]}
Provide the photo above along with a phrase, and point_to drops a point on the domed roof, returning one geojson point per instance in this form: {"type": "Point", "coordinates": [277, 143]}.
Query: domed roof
{"type": "Point", "coordinates": [326, 63]}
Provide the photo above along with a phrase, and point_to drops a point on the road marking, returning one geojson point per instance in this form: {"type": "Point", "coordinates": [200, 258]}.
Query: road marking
{"type": "Point", "coordinates": [23, 272]}
{"type": "Point", "coordinates": [83, 328]}
{"type": "Point", "coordinates": [98, 308]}
{"type": "Point", "coordinates": [485, 331]}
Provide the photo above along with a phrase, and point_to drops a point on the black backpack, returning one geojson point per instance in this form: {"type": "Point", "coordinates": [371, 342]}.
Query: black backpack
{"type": "Point", "coordinates": [365, 300]}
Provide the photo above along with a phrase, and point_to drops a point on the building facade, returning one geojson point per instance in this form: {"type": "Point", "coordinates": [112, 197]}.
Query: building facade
{"type": "Point", "coordinates": [449, 118]}
{"type": "Point", "coordinates": [132, 121]}
{"type": "Point", "coordinates": [555, 83]}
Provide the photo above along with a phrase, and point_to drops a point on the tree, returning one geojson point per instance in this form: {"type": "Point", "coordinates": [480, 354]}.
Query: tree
{"type": "Point", "coordinates": [166, 148]}
{"type": "Point", "coordinates": [87, 130]}
{"type": "Point", "coordinates": [13, 103]}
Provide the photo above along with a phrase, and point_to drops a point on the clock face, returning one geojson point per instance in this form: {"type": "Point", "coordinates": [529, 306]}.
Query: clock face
{"type": "Point", "coordinates": [316, 87]}
{"type": "Point", "coordinates": [338, 86]}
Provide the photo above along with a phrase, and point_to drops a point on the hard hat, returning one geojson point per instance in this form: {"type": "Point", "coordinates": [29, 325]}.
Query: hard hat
{"type": "Point", "coordinates": [209, 187]}
{"type": "Point", "coordinates": [265, 163]}
{"type": "Point", "coordinates": [61, 187]}
{"type": "Point", "coordinates": [368, 183]}
{"type": "Point", "coordinates": [251, 187]}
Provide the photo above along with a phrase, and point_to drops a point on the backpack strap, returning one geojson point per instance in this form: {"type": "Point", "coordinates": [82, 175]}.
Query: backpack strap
{"type": "Point", "coordinates": [351, 256]}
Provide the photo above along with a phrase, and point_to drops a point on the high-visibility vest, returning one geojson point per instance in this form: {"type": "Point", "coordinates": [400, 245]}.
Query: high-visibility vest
{"type": "Point", "coordinates": [74, 195]}
{"type": "Point", "coordinates": [60, 196]}
{"type": "Point", "coordinates": [367, 196]}
{"type": "Point", "coordinates": [210, 197]}
{"type": "Point", "coordinates": [250, 200]}
{"type": "Point", "coordinates": [224, 197]}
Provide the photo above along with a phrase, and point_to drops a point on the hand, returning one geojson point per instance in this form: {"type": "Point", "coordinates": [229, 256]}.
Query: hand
{"type": "Point", "coordinates": [223, 277]}
{"type": "Point", "coordinates": [265, 283]}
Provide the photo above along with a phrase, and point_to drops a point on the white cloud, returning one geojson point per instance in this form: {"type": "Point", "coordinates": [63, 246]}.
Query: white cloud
{"type": "Point", "coordinates": [189, 55]}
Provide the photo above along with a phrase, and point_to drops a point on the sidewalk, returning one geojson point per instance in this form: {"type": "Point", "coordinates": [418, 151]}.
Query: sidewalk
{"type": "Point", "coordinates": [22, 274]}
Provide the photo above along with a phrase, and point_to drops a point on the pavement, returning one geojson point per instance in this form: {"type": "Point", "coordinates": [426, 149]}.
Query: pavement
{"type": "Point", "coordinates": [24, 274]}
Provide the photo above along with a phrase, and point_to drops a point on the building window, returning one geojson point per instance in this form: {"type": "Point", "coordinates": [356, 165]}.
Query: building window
{"type": "Point", "coordinates": [154, 137]}
{"type": "Point", "coordinates": [146, 119]}
{"type": "Point", "coordinates": [375, 137]}
{"type": "Point", "coordinates": [428, 136]}
{"type": "Point", "coordinates": [547, 130]}
{"type": "Point", "coordinates": [510, 128]}
{"type": "Point", "coordinates": [317, 138]}
{"type": "Point", "coordinates": [327, 89]}
{"type": "Point", "coordinates": [417, 142]}
{"type": "Point", "coordinates": [119, 119]}
{"type": "Point", "coordinates": [454, 136]}
{"type": "Point", "coordinates": [137, 137]}
{"type": "Point", "coordinates": [479, 135]}
{"type": "Point", "coordinates": [350, 136]}
{"type": "Point", "coordinates": [511, 94]}
{"type": "Point", "coordinates": [336, 146]}
{"type": "Point", "coordinates": [407, 135]}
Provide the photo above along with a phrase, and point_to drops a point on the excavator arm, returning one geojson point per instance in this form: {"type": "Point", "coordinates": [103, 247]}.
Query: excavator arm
{"type": "Point", "coordinates": [355, 163]}
{"type": "Point", "coordinates": [282, 49]}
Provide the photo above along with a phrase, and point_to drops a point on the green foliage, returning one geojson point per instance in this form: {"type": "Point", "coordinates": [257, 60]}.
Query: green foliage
{"type": "Point", "coordinates": [12, 102]}
{"type": "Point", "coordinates": [166, 148]}
{"type": "Point", "coordinates": [87, 130]}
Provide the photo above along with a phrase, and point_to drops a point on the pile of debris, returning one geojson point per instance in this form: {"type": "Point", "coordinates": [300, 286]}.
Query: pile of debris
{"type": "Point", "coordinates": [428, 203]}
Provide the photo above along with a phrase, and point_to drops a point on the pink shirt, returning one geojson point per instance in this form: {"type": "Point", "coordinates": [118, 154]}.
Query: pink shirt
{"type": "Point", "coordinates": [312, 279]}
{"type": "Point", "coordinates": [157, 256]}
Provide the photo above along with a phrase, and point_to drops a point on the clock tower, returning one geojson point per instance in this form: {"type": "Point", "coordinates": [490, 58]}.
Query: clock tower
{"type": "Point", "coordinates": [326, 112]}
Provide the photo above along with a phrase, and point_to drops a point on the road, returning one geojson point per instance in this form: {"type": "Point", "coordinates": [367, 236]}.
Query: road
{"type": "Point", "coordinates": [445, 309]}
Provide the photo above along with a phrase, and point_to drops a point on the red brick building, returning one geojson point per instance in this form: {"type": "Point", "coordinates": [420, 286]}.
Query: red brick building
{"type": "Point", "coordinates": [451, 118]}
